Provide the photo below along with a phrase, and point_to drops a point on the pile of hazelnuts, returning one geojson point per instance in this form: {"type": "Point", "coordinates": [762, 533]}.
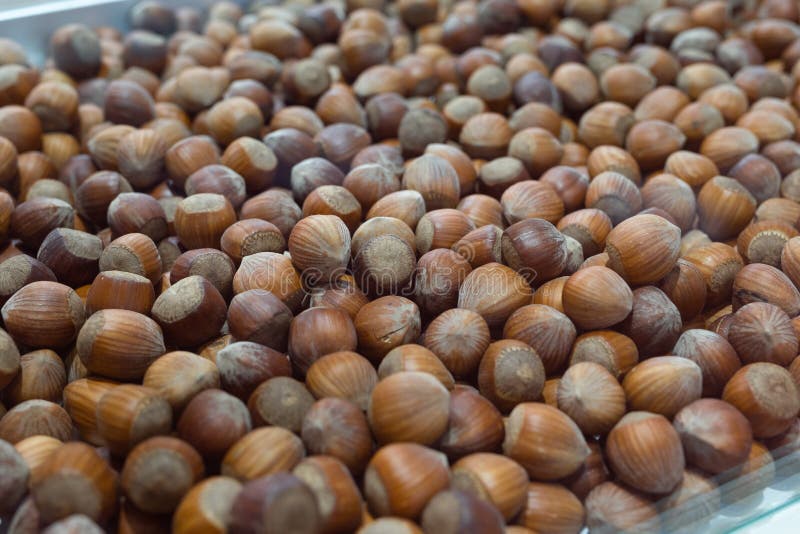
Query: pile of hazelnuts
{"type": "Point", "coordinates": [420, 266]}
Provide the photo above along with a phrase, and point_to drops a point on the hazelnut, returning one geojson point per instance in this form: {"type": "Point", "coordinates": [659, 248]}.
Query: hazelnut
{"type": "Point", "coordinates": [509, 292]}
{"type": "Point", "coordinates": [41, 375]}
{"type": "Point", "coordinates": [472, 512]}
{"type": "Point", "coordinates": [201, 219]}
{"type": "Point", "coordinates": [481, 246]}
{"type": "Point", "coordinates": [9, 359]}
{"type": "Point", "coordinates": [339, 143]}
{"type": "Point", "coordinates": [614, 194]}
{"type": "Point", "coordinates": [606, 123]}
{"type": "Point", "coordinates": [251, 236]}
{"type": "Point", "coordinates": [435, 179]}
{"type": "Point", "coordinates": [320, 246]}
{"type": "Point", "coordinates": [407, 206]}
{"type": "Point", "coordinates": [266, 497]}
{"type": "Point", "coordinates": [663, 385]}
{"type": "Point", "coordinates": [767, 396]}
{"type": "Point", "coordinates": [489, 135]}
{"type": "Point", "coordinates": [396, 415]}
{"type": "Point", "coordinates": [474, 425]}
{"type": "Point", "coordinates": [644, 451]}
{"type": "Point", "coordinates": [128, 102]}
{"type": "Point", "coordinates": [596, 297]}
{"type": "Point", "coordinates": [217, 179]}
{"type": "Point", "coordinates": [384, 112]}
{"type": "Point", "coordinates": [22, 127]}
{"type": "Point", "coordinates": [441, 228]}
{"type": "Point", "coordinates": [526, 324]}
{"type": "Point", "coordinates": [76, 50]}
{"type": "Point", "coordinates": [537, 148]}
{"type": "Point", "coordinates": [591, 474]}
{"type": "Point", "coordinates": [137, 213]}
{"type": "Point", "coordinates": [253, 160]}
{"type": "Point", "coordinates": [347, 375]}
{"type": "Point", "coordinates": [673, 195]}
{"type": "Point", "coordinates": [269, 271]}
{"type": "Point", "coordinates": [333, 200]}
{"type": "Point", "coordinates": [191, 514]}
{"type": "Point", "coordinates": [590, 227]}
{"type": "Point", "coordinates": [459, 337]}
{"type": "Point", "coordinates": [460, 109]}
{"type": "Point", "coordinates": [543, 440]}
{"type": "Point", "coordinates": [698, 120]}
{"type": "Point", "coordinates": [716, 436]}
{"type": "Point", "coordinates": [72, 255]}
{"type": "Point", "coordinates": [179, 376]}
{"type": "Point", "coordinates": [412, 357]}
{"type": "Point", "coordinates": [724, 207]}
{"type": "Point", "coordinates": [119, 344]}
{"type": "Point", "coordinates": [346, 296]}
{"type": "Point", "coordinates": [80, 401]}
{"type": "Point", "coordinates": [333, 331]}
{"type": "Point", "coordinates": [778, 209]}
{"type": "Point", "coordinates": [494, 478]}
{"type": "Point", "coordinates": [35, 417]}
{"type": "Point", "coordinates": [626, 83]}
{"type": "Point", "coordinates": [531, 199]}
{"type": "Point", "coordinates": [592, 397]}
{"type": "Point", "coordinates": [510, 372]}
{"type": "Point", "coordinates": [663, 103]}
{"type": "Point", "coordinates": [369, 183]}
{"type": "Point", "coordinates": [612, 506]}
{"type": "Point", "coordinates": [338, 428]}
{"type": "Point", "coordinates": [745, 484]}
{"type": "Point", "coordinates": [337, 495]}
{"type": "Point", "coordinates": [76, 479]}
{"type": "Point", "coordinates": [33, 220]}
{"type": "Point", "coordinates": [43, 314]}
{"type": "Point", "coordinates": [402, 477]}
{"type": "Point", "coordinates": [578, 85]}
{"type": "Point", "coordinates": [762, 332]}
{"type": "Point", "coordinates": [189, 155]}
{"type": "Point", "coordinates": [726, 146]}
{"type": "Point", "coordinates": [715, 356]}
{"type": "Point", "coordinates": [719, 265]}
{"type": "Point", "coordinates": [651, 303]}
{"type": "Point", "coordinates": [386, 323]}
{"type": "Point", "coordinates": [159, 472]}
{"type": "Point", "coordinates": [129, 414]}
{"type": "Point", "coordinates": [377, 227]}
{"type": "Point", "coordinates": [56, 105]}
{"type": "Point", "coordinates": [261, 317]}
{"type": "Point", "coordinates": [96, 193]}
{"type": "Point", "coordinates": [569, 183]}
{"type": "Point", "coordinates": [535, 249]}
{"type": "Point", "coordinates": [338, 103]}
{"type": "Point", "coordinates": [763, 242]}
{"type": "Point", "coordinates": [243, 365]}
{"type": "Point", "coordinates": [133, 253]}
{"type": "Point", "coordinates": [311, 173]}
{"type": "Point", "coordinates": [550, 293]}
{"type": "Point", "coordinates": [551, 507]}
{"type": "Point", "coordinates": [234, 117]}
{"type": "Point", "coordinates": [183, 304]}
{"type": "Point", "coordinates": [685, 287]}
{"type": "Point", "coordinates": [261, 452]}
{"type": "Point", "coordinates": [212, 421]}
{"type": "Point", "coordinates": [694, 169]}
